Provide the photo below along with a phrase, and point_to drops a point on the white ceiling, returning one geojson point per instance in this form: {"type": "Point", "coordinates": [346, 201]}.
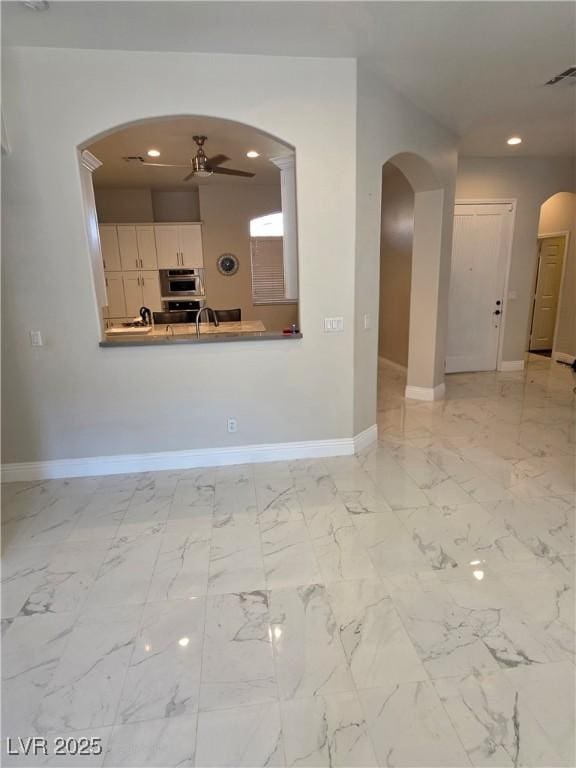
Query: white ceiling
{"type": "Point", "coordinates": [173, 138]}
{"type": "Point", "coordinates": [478, 67]}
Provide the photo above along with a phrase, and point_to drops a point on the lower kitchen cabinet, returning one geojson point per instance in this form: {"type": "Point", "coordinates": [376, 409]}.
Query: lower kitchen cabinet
{"type": "Point", "coordinates": [116, 306]}
{"type": "Point", "coordinates": [128, 291]}
{"type": "Point", "coordinates": [151, 295]}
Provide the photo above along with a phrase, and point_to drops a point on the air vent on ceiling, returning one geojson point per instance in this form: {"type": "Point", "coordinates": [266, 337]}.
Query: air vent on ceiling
{"type": "Point", "coordinates": [568, 76]}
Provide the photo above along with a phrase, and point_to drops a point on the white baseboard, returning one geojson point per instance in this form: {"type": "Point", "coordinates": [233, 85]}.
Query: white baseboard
{"type": "Point", "coordinates": [563, 357]}
{"type": "Point", "coordinates": [365, 438]}
{"type": "Point", "coordinates": [425, 393]}
{"type": "Point", "coordinates": [210, 457]}
{"type": "Point", "coordinates": [392, 364]}
{"type": "Point", "coordinates": [511, 365]}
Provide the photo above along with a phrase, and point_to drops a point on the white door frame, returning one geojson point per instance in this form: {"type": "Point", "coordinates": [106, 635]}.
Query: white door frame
{"type": "Point", "coordinates": [566, 235]}
{"type": "Point", "coordinates": [512, 202]}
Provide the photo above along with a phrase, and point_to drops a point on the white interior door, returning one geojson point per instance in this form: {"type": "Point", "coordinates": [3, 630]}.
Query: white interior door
{"type": "Point", "coordinates": [550, 257]}
{"type": "Point", "coordinates": [482, 236]}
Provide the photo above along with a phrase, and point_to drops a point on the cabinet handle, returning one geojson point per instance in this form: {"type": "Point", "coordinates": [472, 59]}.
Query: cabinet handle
{"type": "Point", "coordinates": [106, 281]}
{"type": "Point", "coordinates": [141, 265]}
{"type": "Point", "coordinates": [104, 262]}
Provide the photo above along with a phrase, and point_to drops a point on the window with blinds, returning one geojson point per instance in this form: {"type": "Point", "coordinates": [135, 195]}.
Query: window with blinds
{"type": "Point", "coordinates": [267, 270]}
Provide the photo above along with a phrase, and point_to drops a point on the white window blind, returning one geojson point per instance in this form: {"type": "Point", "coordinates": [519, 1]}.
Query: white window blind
{"type": "Point", "coordinates": [267, 270]}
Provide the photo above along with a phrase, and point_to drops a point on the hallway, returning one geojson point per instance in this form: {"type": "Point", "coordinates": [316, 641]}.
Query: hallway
{"type": "Point", "coordinates": [410, 606]}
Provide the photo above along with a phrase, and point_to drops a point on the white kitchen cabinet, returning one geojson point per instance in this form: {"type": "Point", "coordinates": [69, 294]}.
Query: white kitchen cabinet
{"type": "Point", "coordinates": [167, 246]}
{"type": "Point", "coordinates": [146, 247]}
{"type": "Point", "coordinates": [133, 292]}
{"type": "Point", "coordinates": [128, 245]}
{"type": "Point", "coordinates": [179, 245]}
{"type": "Point", "coordinates": [109, 247]}
{"type": "Point", "coordinates": [191, 254]}
{"type": "Point", "coordinates": [151, 296]}
{"type": "Point", "coordinates": [116, 306]}
{"type": "Point", "coordinates": [130, 290]}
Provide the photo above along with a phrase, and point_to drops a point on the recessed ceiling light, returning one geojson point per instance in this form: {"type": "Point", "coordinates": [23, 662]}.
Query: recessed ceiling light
{"type": "Point", "coordinates": [252, 153]}
{"type": "Point", "coordinates": [514, 140]}
{"type": "Point", "coordinates": [153, 153]}
{"type": "Point", "coordinates": [37, 5]}
{"type": "Point", "coordinates": [184, 641]}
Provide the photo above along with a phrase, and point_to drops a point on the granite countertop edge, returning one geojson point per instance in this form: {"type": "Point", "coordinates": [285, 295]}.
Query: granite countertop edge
{"type": "Point", "coordinates": [213, 338]}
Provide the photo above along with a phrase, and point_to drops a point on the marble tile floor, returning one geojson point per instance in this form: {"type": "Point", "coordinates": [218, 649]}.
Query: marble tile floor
{"type": "Point", "coordinates": [409, 606]}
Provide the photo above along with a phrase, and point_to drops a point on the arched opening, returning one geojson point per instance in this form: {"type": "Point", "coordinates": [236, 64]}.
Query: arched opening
{"type": "Point", "coordinates": [413, 276]}
{"type": "Point", "coordinates": [552, 319]}
{"type": "Point", "coordinates": [169, 202]}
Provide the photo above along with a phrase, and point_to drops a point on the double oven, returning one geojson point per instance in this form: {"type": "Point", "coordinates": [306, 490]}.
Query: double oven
{"type": "Point", "coordinates": [183, 294]}
{"type": "Point", "coordinates": [178, 284]}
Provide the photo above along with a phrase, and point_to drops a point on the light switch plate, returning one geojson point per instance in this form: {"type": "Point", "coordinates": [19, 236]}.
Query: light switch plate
{"type": "Point", "coordinates": [367, 322]}
{"type": "Point", "coordinates": [333, 324]}
{"type": "Point", "coordinates": [36, 339]}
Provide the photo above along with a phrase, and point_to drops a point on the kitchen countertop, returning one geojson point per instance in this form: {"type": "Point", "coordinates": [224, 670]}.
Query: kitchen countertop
{"type": "Point", "coordinates": [185, 333]}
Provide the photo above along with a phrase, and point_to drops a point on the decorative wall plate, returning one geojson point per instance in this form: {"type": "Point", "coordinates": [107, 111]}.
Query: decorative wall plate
{"type": "Point", "coordinates": [227, 264]}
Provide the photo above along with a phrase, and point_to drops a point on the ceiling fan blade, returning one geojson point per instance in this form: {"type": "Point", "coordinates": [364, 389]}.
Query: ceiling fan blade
{"type": "Point", "coordinates": [190, 175]}
{"type": "Point", "coordinates": [217, 160]}
{"type": "Point", "coordinates": [167, 165]}
{"type": "Point", "coordinates": [139, 159]}
{"type": "Point", "coordinates": [232, 172]}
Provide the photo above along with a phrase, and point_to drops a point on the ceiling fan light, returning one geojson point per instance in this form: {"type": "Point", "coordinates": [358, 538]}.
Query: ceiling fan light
{"type": "Point", "coordinates": [252, 153]}
{"type": "Point", "coordinates": [513, 140]}
{"type": "Point", "coordinates": [203, 173]}
{"type": "Point", "coordinates": [153, 153]}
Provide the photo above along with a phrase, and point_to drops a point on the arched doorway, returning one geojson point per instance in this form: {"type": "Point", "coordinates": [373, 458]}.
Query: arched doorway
{"type": "Point", "coordinates": [167, 199]}
{"type": "Point", "coordinates": [552, 320]}
{"type": "Point", "coordinates": [415, 265]}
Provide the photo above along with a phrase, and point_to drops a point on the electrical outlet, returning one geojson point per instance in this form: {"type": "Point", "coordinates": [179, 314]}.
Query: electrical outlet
{"type": "Point", "coordinates": [36, 339]}
{"type": "Point", "coordinates": [333, 324]}
{"type": "Point", "coordinates": [232, 425]}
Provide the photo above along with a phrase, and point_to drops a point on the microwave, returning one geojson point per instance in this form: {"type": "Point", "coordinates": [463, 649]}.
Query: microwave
{"type": "Point", "coordinates": [181, 283]}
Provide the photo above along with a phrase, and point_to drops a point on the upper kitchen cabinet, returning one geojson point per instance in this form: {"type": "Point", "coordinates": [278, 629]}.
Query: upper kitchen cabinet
{"type": "Point", "coordinates": [191, 245]}
{"type": "Point", "coordinates": [146, 247]}
{"type": "Point", "coordinates": [110, 247]}
{"type": "Point", "coordinates": [137, 247]}
{"type": "Point", "coordinates": [179, 245]}
{"type": "Point", "coordinates": [128, 244]}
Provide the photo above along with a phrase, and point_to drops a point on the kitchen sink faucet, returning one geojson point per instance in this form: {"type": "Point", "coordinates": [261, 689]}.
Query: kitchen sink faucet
{"type": "Point", "coordinates": [198, 315]}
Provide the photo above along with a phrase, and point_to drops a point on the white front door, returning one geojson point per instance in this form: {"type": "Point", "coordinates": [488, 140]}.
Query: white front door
{"type": "Point", "coordinates": [482, 236]}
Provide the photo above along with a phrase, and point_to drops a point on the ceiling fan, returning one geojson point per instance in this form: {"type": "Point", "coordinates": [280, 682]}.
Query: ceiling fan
{"type": "Point", "coordinates": [202, 166]}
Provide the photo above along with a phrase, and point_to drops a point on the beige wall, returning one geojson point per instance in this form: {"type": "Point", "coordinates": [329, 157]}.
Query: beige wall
{"type": "Point", "coordinates": [176, 204]}
{"type": "Point", "coordinates": [529, 180]}
{"type": "Point", "coordinates": [226, 212]}
{"type": "Point", "coordinates": [558, 214]}
{"type": "Point", "coordinates": [72, 398]}
{"type": "Point", "coordinates": [396, 235]}
{"type": "Point", "coordinates": [388, 125]}
{"type": "Point", "coordinates": [120, 204]}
